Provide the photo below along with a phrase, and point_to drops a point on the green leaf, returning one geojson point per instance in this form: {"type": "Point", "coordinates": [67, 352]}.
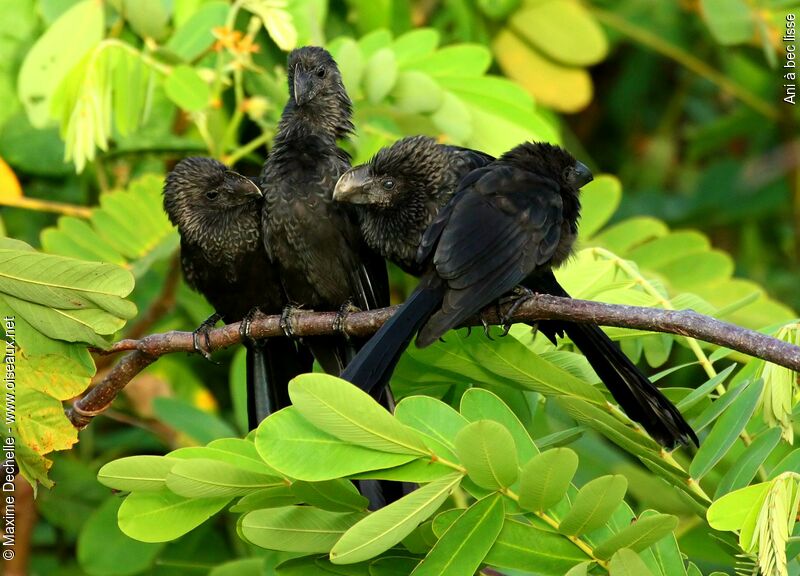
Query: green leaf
{"type": "Point", "coordinates": [730, 512]}
{"type": "Point", "coordinates": [546, 479]}
{"type": "Point", "coordinates": [718, 406]}
{"type": "Point", "coordinates": [51, 58]}
{"type": "Point", "coordinates": [456, 60]}
{"type": "Point", "coordinates": [564, 88]}
{"type": "Point", "coordinates": [486, 449]}
{"type": "Point", "coordinates": [416, 93]}
{"type": "Point", "coordinates": [341, 409]}
{"type": "Point", "coordinates": [613, 429]}
{"type": "Point", "coordinates": [725, 431]}
{"type": "Point", "coordinates": [195, 35]}
{"type": "Point", "coordinates": [667, 556]}
{"type": "Point", "coordinates": [696, 395]}
{"type": "Point", "coordinates": [240, 567]}
{"type": "Point", "coordinates": [599, 200]}
{"type": "Point", "coordinates": [148, 18]}
{"type": "Point", "coordinates": [284, 434]}
{"type": "Point", "coordinates": [438, 421]}
{"type": "Point", "coordinates": [383, 529]}
{"type": "Point", "coordinates": [746, 466]}
{"type": "Point", "coordinates": [136, 473]}
{"type": "Point", "coordinates": [415, 44]}
{"type": "Point", "coordinates": [462, 548]}
{"type": "Point", "coordinates": [275, 497]}
{"type": "Point", "coordinates": [164, 516]}
{"type": "Point", "coordinates": [129, 228]}
{"type": "Point", "coordinates": [627, 563]}
{"type": "Point", "coordinates": [335, 495]}
{"type": "Point", "coordinates": [730, 21]}
{"type": "Point", "coordinates": [594, 504]}
{"type": "Point", "coordinates": [579, 569]}
{"type": "Point", "coordinates": [380, 75]}
{"type": "Point", "coordinates": [277, 20]}
{"type": "Point", "coordinates": [563, 30]}
{"type": "Point", "coordinates": [481, 404]}
{"type": "Point", "coordinates": [185, 87]}
{"type": "Point", "coordinates": [202, 478]}
{"type": "Point", "coordinates": [638, 535]}
{"type": "Point", "coordinates": [104, 549]}
{"type": "Point", "coordinates": [520, 546]}
{"type": "Point", "coordinates": [296, 528]}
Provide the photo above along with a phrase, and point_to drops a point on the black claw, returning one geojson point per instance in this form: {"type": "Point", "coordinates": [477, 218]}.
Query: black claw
{"type": "Point", "coordinates": [486, 327]}
{"type": "Point", "coordinates": [517, 298]}
{"type": "Point", "coordinates": [469, 331]}
{"type": "Point", "coordinates": [286, 321]}
{"type": "Point", "coordinates": [247, 321]}
{"type": "Point", "coordinates": [203, 330]}
{"type": "Point", "coordinates": [341, 317]}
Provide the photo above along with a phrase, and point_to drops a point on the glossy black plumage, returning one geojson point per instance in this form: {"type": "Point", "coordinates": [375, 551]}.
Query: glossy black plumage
{"type": "Point", "coordinates": [314, 241]}
{"type": "Point", "coordinates": [509, 224]}
{"type": "Point", "coordinates": [218, 212]}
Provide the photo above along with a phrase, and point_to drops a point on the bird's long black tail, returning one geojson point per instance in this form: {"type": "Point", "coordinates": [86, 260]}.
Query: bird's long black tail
{"type": "Point", "coordinates": [638, 397]}
{"type": "Point", "coordinates": [270, 364]}
{"type": "Point", "coordinates": [372, 367]}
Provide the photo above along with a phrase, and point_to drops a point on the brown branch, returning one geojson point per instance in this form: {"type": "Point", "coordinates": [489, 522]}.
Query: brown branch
{"type": "Point", "coordinates": [540, 307]}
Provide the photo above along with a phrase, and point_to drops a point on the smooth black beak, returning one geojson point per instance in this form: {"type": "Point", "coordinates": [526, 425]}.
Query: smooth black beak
{"type": "Point", "coordinates": [243, 185]}
{"type": "Point", "coordinates": [350, 187]}
{"type": "Point", "coordinates": [302, 86]}
{"type": "Point", "coordinates": [582, 174]}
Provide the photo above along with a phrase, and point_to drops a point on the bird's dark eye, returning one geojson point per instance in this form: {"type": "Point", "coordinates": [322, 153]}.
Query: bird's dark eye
{"type": "Point", "coordinates": [568, 175]}
{"type": "Point", "coordinates": [320, 72]}
{"type": "Point", "coordinates": [388, 184]}
{"type": "Point", "coordinates": [212, 195]}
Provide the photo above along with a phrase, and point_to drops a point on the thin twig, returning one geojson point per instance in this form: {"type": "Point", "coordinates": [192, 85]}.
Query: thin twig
{"type": "Point", "coordinates": [540, 307]}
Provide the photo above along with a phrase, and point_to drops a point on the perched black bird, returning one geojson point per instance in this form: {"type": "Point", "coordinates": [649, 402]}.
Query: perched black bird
{"type": "Point", "coordinates": [509, 223]}
{"type": "Point", "coordinates": [315, 242]}
{"type": "Point", "coordinates": [401, 190]}
{"type": "Point", "coordinates": [218, 215]}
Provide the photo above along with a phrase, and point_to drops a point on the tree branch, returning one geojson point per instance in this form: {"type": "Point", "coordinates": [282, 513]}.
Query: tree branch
{"type": "Point", "coordinates": [145, 351]}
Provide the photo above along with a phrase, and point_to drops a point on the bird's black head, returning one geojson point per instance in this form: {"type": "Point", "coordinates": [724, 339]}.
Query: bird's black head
{"type": "Point", "coordinates": [552, 162]}
{"type": "Point", "coordinates": [316, 88]}
{"type": "Point", "coordinates": [411, 167]}
{"type": "Point", "coordinates": [199, 188]}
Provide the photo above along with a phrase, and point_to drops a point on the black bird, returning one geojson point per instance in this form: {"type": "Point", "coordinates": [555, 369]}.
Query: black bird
{"type": "Point", "coordinates": [315, 242]}
{"type": "Point", "coordinates": [218, 215]}
{"type": "Point", "coordinates": [509, 223]}
{"type": "Point", "coordinates": [401, 190]}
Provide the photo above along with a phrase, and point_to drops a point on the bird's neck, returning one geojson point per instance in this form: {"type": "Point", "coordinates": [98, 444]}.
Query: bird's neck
{"type": "Point", "coordinates": [396, 231]}
{"type": "Point", "coordinates": [328, 119]}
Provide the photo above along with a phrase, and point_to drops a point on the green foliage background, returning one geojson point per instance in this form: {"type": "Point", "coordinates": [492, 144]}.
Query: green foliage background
{"type": "Point", "coordinates": [682, 102]}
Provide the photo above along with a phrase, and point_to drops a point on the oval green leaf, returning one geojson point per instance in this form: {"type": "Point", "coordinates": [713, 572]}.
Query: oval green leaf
{"type": "Point", "coordinates": [462, 548]}
{"type": "Point", "coordinates": [341, 409]}
{"type": "Point", "coordinates": [335, 495]}
{"type": "Point", "coordinates": [202, 478]}
{"type": "Point", "coordinates": [285, 434]}
{"type": "Point", "coordinates": [296, 528]}
{"type": "Point", "coordinates": [487, 450]}
{"type": "Point", "coordinates": [638, 535]}
{"type": "Point", "coordinates": [627, 563]}
{"type": "Point", "coordinates": [164, 516]}
{"type": "Point", "coordinates": [383, 529]}
{"type": "Point", "coordinates": [726, 431]}
{"type": "Point", "coordinates": [594, 504]}
{"type": "Point", "coordinates": [546, 478]}
{"type": "Point", "coordinates": [185, 87]}
{"type": "Point", "coordinates": [136, 473]}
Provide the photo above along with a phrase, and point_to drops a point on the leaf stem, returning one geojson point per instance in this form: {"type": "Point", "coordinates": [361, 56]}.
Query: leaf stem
{"type": "Point", "coordinates": [40, 205]}
{"type": "Point", "coordinates": [232, 158]}
{"type": "Point", "coordinates": [553, 523]}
